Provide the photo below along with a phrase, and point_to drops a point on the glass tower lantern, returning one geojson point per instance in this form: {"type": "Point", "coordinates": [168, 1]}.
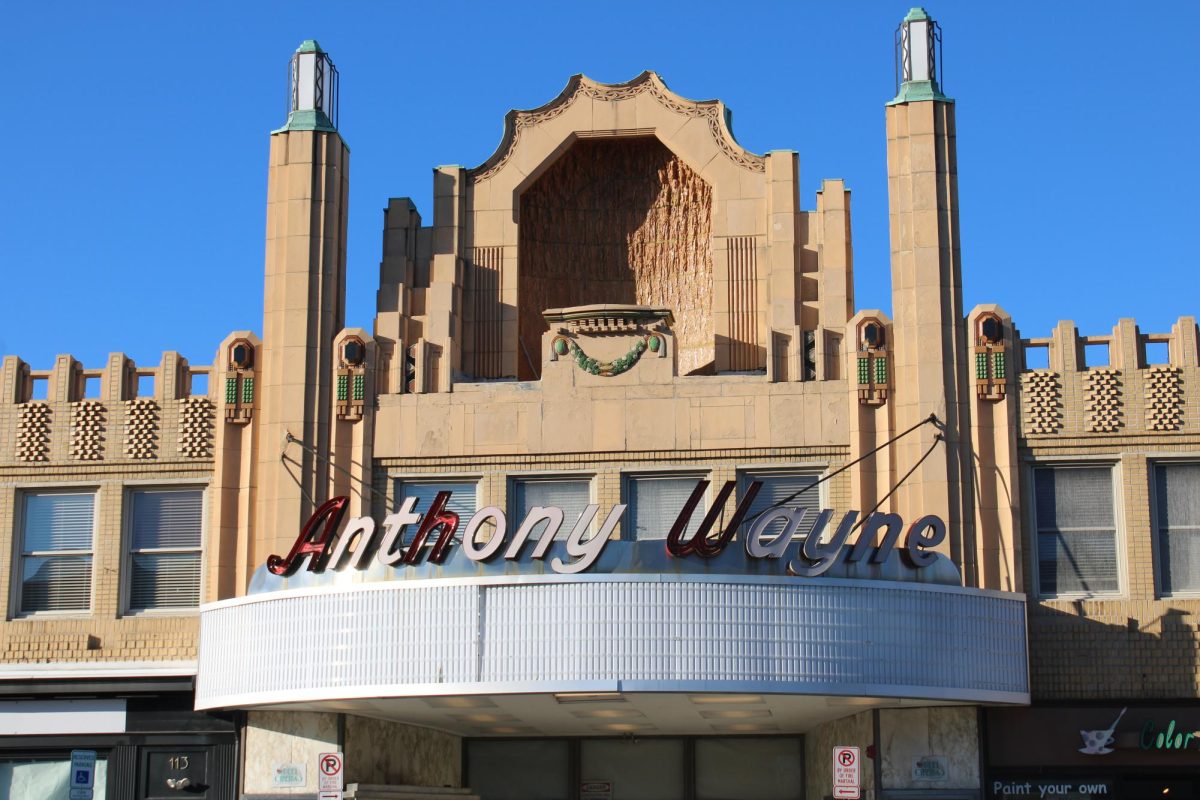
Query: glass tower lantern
{"type": "Point", "coordinates": [312, 89]}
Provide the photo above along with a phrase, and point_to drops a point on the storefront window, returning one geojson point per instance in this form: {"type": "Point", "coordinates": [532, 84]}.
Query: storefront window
{"type": "Point", "coordinates": [1177, 520]}
{"type": "Point", "coordinates": [638, 769]}
{"type": "Point", "coordinates": [1076, 531]}
{"type": "Point", "coordinates": [749, 769]}
{"type": "Point", "coordinates": [22, 779]}
{"type": "Point", "coordinates": [519, 769]}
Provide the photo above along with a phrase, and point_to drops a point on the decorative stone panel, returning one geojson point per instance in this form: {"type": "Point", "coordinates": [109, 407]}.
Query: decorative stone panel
{"type": "Point", "coordinates": [1164, 398]}
{"type": "Point", "coordinates": [141, 428]}
{"type": "Point", "coordinates": [195, 428]}
{"type": "Point", "coordinates": [33, 432]}
{"type": "Point", "coordinates": [1103, 403]}
{"type": "Point", "coordinates": [1041, 399]}
{"type": "Point", "coordinates": [87, 430]}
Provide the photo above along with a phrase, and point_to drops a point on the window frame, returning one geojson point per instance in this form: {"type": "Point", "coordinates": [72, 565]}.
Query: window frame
{"type": "Point", "coordinates": [1160, 568]}
{"type": "Point", "coordinates": [745, 474]}
{"type": "Point", "coordinates": [1113, 465]}
{"type": "Point", "coordinates": [17, 573]}
{"type": "Point", "coordinates": [510, 500]}
{"type": "Point", "coordinates": [628, 528]}
{"type": "Point", "coordinates": [127, 552]}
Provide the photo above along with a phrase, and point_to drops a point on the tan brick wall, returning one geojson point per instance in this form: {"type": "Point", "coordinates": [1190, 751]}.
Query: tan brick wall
{"type": "Point", "coordinates": [179, 454]}
{"type": "Point", "coordinates": [1138, 644]}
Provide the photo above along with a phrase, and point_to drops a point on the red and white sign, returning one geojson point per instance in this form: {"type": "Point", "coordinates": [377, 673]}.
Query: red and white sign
{"type": "Point", "coordinates": [846, 784]}
{"type": "Point", "coordinates": [329, 772]}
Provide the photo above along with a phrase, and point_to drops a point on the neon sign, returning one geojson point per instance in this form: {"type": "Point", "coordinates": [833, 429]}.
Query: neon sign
{"type": "Point", "coordinates": [320, 543]}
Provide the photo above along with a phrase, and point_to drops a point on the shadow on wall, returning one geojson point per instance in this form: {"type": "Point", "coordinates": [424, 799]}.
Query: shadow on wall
{"type": "Point", "coordinates": [1098, 653]}
{"type": "Point", "coordinates": [617, 221]}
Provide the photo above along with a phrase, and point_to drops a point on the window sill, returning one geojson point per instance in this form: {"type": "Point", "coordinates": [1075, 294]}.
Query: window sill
{"type": "Point", "coordinates": [152, 613]}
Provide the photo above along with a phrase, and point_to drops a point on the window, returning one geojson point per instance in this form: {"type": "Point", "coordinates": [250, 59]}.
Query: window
{"type": "Point", "coordinates": [519, 769]}
{"type": "Point", "coordinates": [639, 769]}
{"type": "Point", "coordinates": [655, 502]}
{"type": "Point", "coordinates": [56, 552]}
{"type": "Point", "coordinates": [1076, 531]}
{"type": "Point", "coordinates": [164, 548]}
{"type": "Point", "coordinates": [572, 495]}
{"type": "Point", "coordinates": [45, 777]}
{"type": "Point", "coordinates": [776, 489]}
{"type": "Point", "coordinates": [462, 501]}
{"type": "Point", "coordinates": [1177, 524]}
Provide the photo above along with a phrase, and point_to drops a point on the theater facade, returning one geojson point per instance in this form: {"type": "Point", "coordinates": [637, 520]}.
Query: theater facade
{"type": "Point", "coordinates": [620, 498]}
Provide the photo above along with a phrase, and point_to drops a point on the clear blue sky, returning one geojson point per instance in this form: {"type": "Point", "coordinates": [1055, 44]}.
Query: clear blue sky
{"type": "Point", "coordinates": [132, 204]}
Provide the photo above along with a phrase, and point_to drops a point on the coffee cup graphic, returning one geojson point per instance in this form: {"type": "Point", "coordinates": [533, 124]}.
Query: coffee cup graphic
{"type": "Point", "coordinates": [1096, 743]}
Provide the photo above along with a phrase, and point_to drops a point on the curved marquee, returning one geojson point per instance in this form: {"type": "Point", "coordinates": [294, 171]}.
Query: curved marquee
{"type": "Point", "coordinates": [626, 633]}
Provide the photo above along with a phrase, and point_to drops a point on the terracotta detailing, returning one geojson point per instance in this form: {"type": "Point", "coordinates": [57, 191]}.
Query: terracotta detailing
{"type": "Point", "coordinates": [618, 221]}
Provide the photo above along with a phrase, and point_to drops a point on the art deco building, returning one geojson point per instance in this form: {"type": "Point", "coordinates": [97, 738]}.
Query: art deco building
{"type": "Point", "coordinates": [621, 497]}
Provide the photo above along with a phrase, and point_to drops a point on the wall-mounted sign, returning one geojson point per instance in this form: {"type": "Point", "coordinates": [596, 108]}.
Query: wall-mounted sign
{"type": "Point", "coordinates": [329, 772]}
{"type": "Point", "coordinates": [83, 774]}
{"type": "Point", "coordinates": [1096, 743]}
{"type": "Point", "coordinates": [1050, 789]}
{"type": "Point", "coordinates": [846, 778]}
{"type": "Point", "coordinates": [289, 774]}
{"type": "Point", "coordinates": [931, 768]}
{"type": "Point", "coordinates": [595, 790]}
{"type": "Point", "coordinates": [769, 537]}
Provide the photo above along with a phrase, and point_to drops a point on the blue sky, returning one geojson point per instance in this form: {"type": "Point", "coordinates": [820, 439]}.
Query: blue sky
{"type": "Point", "coordinates": [132, 208]}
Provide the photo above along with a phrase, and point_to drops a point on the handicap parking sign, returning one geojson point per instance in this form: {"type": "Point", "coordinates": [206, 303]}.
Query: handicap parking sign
{"type": "Point", "coordinates": [83, 774]}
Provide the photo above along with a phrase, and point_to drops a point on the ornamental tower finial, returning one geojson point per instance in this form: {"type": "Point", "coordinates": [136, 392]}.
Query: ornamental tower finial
{"type": "Point", "coordinates": [918, 58]}
{"type": "Point", "coordinates": [312, 90]}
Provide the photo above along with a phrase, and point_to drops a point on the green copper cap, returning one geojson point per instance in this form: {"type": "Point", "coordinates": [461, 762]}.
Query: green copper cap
{"type": "Point", "coordinates": [307, 120]}
{"type": "Point", "coordinates": [916, 91]}
{"type": "Point", "coordinates": [311, 46]}
{"type": "Point", "coordinates": [914, 15]}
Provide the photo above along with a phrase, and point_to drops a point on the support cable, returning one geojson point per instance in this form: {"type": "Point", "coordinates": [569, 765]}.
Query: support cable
{"type": "Point", "coordinates": [290, 439]}
{"type": "Point", "coordinates": [930, 420]}
{"type": "Point", "coordinates": [899, 483]}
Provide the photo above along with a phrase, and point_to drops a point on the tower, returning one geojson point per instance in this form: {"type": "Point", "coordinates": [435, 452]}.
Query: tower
{"type": "Point", "coordinates": [303, 302]}
{"type": "Point", "coordinates": [927, 305]}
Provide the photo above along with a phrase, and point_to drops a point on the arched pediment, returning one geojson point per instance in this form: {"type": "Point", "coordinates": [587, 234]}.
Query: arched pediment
{"type": "Point", "coordinates": [667, 105]}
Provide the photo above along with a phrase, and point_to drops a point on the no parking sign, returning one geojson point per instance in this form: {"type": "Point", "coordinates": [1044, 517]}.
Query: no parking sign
{"type": "Point", "coordinates": [329, 776]}
{"type": "Point", "coordinates": [846, 785]}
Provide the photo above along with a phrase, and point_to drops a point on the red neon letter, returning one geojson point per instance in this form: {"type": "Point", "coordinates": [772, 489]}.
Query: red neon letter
{"type": "Point", "coordinates": [700, 543]}
{"type": "Point", "coordinates": [331, 513]}
{"type": "Point", "coordinates": [437, 516]}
